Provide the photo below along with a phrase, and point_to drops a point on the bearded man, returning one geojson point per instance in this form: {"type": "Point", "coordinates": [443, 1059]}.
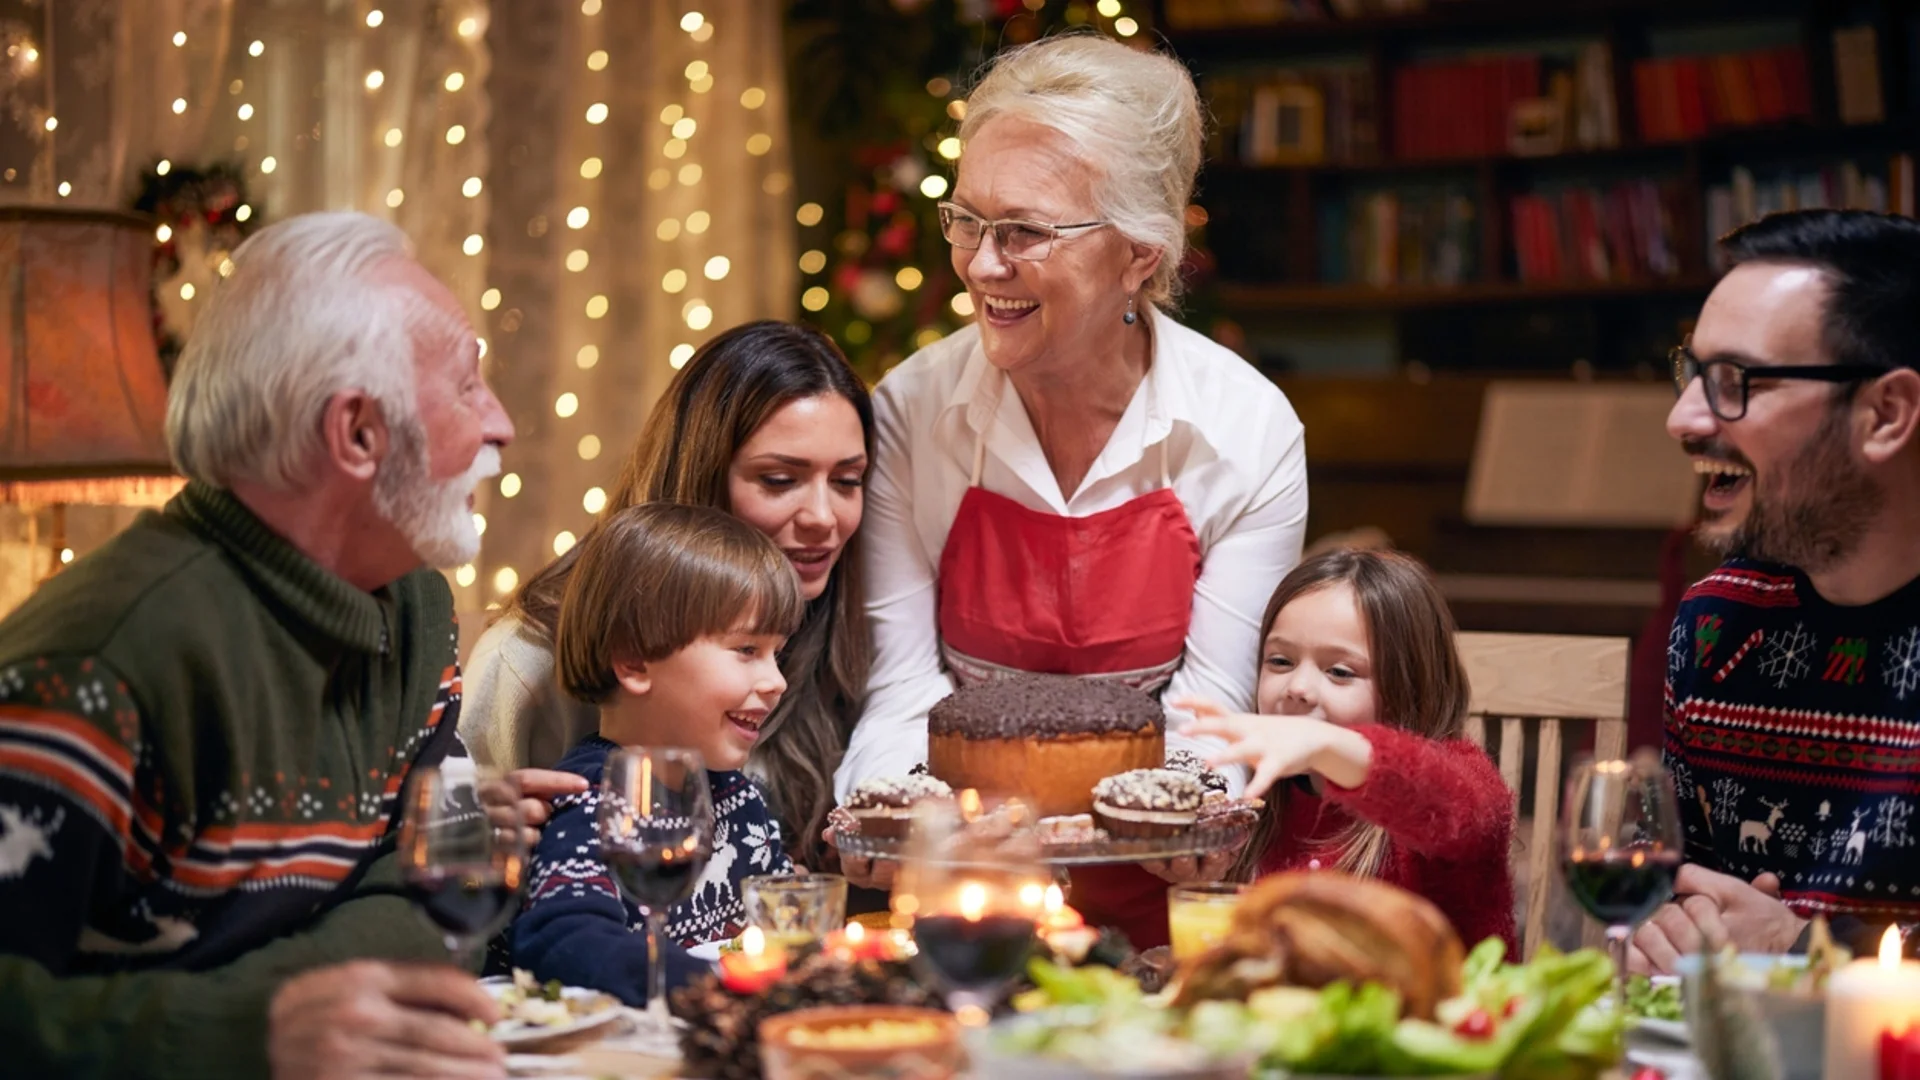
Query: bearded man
{"type": "Point", "coordinates": [1793, 671]}
{"type": "Point", "coordinates": [205, 725]}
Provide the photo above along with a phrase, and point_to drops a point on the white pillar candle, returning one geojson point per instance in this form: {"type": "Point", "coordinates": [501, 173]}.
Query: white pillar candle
{"type": "Point", "coordinates": [1866, 999]}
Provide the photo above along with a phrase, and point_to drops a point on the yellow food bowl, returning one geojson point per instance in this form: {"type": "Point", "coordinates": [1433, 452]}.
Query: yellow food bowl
{"type": "Point", "coordinates": [868, 1042]}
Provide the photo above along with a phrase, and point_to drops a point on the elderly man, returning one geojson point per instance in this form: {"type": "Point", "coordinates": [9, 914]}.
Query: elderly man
{"type": "Point", "coordinates": [204, 725]}
{"type": "Point", "coordinates": [1793, 695]}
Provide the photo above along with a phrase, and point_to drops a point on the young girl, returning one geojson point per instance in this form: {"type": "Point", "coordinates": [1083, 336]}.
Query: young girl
{"type": "Point", "coordinates": [768, 423]}
{"type": "Point", "coordinates": [670, 628]}
{"type": "Point", "coordinates": [1363, 698]}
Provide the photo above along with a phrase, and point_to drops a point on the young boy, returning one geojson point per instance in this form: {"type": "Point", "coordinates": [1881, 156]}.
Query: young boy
{"type": "Point", "coordinates": [672, 624]}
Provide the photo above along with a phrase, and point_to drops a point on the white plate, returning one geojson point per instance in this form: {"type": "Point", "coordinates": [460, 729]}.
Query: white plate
{"type": "Point", "coordinates": [706, 950]}
{"type": "Point", "coordinates": [1672, 1031]}
{"type": "Point", "coordinates": [518, 1036]}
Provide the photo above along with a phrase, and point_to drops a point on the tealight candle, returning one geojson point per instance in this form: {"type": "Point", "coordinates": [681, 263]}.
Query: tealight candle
{"type": "Point", "coordinates": [1867, 1000]}
{"type": "Point", "coordinates": [755, 967]}
{"type": "Point", "coordinates": [854, 943]}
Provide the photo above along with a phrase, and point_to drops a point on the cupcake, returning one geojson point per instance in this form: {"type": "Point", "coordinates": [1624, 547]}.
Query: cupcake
{"type": "Point", "coordinates": [1186, 761]}
{"type": "Point", "coordinates": [1147, 803]}
{"type": "Point", "coordinates": [884, 806]}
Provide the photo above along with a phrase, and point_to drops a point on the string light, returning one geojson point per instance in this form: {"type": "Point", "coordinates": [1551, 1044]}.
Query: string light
{"type": "Point", "coordinates": [179, 105]}
{"type": "Point", "coordinates": [577, 260]}
{"type": "Point", "coordinates": [759, 144]}
{"type": "Point", "coordinates": [395, 198]}
{"type": "Point", "coordinates": [243, 213]}
{"type": "Point", "coordinates": [684, 127]}
{"type": "Point", "coordinates": [456, 135]}
{"type": "Point", "coordinates": [1125, 27]}
{"type": "Point", "coordinates": [934, 186]}
{"type": "Point", "coordinates": [703, 33]}
{"type": "Point", "coordinates": [163, 168]}
{"type": "Point", "coordinates": [245, 111]}
{"type": "Point", "coordinates": [489, 299]}
{"type": "Point", "coordinates": [225, 268]}
{"type": "Point", "coordinates": [809, 214]}
{"type": "Point", "coordinates": [235, 87]}
{"type": "Point", "coordinates": [179, 38]}
{"type": "Point", "coordinates": [588, 356]}
{"type": "Point", "coordinates": [671, 115]}
{"type": "Point", "coordinates": [66, 189]}
{"type": "Point", "coordinates": [480, 524]}
{"type": "Point", "coordinates": [909, 278]}
{"type": "Point", "coordinates": [186, 291]}
{"type": "Point", "coordinates": [812, 262]}
{"type": "Point", "coordinates": [589, 8]}
{"type": "Point", "coordinates": [658, 179]}
{"type": "Point", "coordinates": [455, 81]}
{"type": "Point", "coordinates": [701, 85]}
{"type": "Point", "coordinates": [1107, 8]}
{"type": "Point", "coordinates": [673, 281]}
{"type": "Point", "coordinates": [690, 174]}
{"type": "Point", "coordinates": [376, 79]}
{"type": "Point", "coordinates": [578, 217]}
{"type": "Point", "coordinates": [597, 113]}
{"type": "Point", "coordinates": [814, 299]}
{"type": "Point", "coordinates": [464, 576]}
{"type": "Point", "coordinates": [504, 579]}
{"type": "Point", "coordinates": [950, 148]}
{"type": "Point", "coordinates": [482, 342]}
{"type": "Point", "coordinates": [939, 86]}
{"type": "Point", "coordinates": [678, 358]}
{"type": "Point", "coordinates": [510, 485]}
{"type": "Point", "coordinates": [927, 337]}
{"type": "Point", "coordinates": [375, 18]}
{"type": "Point", "coordinates": [393, 137]}
{"type": "Point", "coordinates": [472, 187]}
{"type": "Point", "coordinates": [717, 267]}
{"type": "Point", "coordinates": [469, 27]}
{"type": "Point", "coordinates": [163, 234]}
{"type": "Point", "coordinates": [589, 447]}
{"type": "Point", "coordinates": [563, 542]}
{"type": "Point", "coordinates": [597, 60]}
{"type": "Point", "coordinates": [675, 149]}
{"type": "Point", "coordinates": [590, 168]}
{"type": "Point", "coordinates": [698, 221]}
{"type": "Point", "coordinates": [595, 500]}
{"type": "Point", "coordinates": [597, 307]}
{"type": "Point", "coordinates": [962, 305]}
{"type": "Point", "coordinates": [52, 122]}
{"type": "Point", "coordinates": [698, 315]}
{"type": "Point", "coordinates": [669, 229]}
{"type": "Point", "coordinates": [473, 244]}
{"type": "Point", "coordinates": [696, 70]}
{"type": "Point", "coordinates": [957, 109]}
{"type": "Point", "coordinates": [256, 48]}
{"type": "Point", "coordinates": [753, 97]}
{"type": "Point", "coordinates": [566, 405]}
{"type": "Point", "coordinates": [268, 164]}
{"type": "Point", "coordinates": [692, 21]}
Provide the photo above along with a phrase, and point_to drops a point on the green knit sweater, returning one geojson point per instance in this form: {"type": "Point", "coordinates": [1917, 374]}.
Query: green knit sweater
{"type": "Point", "coordinates": [203, 735]}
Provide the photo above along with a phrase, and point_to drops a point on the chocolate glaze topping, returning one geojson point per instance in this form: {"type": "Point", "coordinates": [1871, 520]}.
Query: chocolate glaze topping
{"type": "Point", "coordinates": [1150, 789]}
{"type": "Point", "coordinates": [1045, 706]}
{"type": "Point", "coordinates": [896, 791]}
{"type": "Point", "coordinates": [1186, 761]}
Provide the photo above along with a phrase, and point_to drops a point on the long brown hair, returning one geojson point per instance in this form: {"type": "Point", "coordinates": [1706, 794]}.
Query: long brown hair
{"type": "Point", "coordinates": [713, 406]}
{"type": "Point", "coordinates": [1422, 685]}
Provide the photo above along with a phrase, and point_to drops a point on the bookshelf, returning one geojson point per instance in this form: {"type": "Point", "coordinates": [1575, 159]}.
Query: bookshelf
{"type": "Point", "coordinates": [1555, 163]}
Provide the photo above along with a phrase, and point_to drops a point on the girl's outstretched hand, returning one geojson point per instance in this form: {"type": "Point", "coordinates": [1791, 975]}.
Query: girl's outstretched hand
{"type": "Point", "coordinates": [1277, 747]}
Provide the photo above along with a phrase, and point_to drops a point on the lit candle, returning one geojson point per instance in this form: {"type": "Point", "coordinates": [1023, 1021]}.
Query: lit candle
{"type": "Point", "coordinates": [755, 967]}
{"type": "Point", "coordinates": [854, 943]}
{"type": "Point", "coordinates": [1059, 916]}
{"type": "Point", "coordinates": [973, 901]}
{"type": "Point", "coordinates": [1867, 1000]}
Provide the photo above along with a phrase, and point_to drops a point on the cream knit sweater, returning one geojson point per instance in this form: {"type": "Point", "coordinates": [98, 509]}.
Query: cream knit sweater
{"type": "Point", "coordinates": [514, 714]}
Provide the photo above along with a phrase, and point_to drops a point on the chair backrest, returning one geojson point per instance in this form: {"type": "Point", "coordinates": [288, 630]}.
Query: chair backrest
{"type": "Point", "coordinates": [1552, 681]}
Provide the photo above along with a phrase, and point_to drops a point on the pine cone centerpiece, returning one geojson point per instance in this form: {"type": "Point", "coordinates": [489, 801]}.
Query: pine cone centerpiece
{"type": "Point", "coordinates": [722, 1037]}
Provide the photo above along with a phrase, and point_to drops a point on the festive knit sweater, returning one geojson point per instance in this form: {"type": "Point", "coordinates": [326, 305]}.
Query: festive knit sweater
{"type": "Point", "coordinates": [1793, 736]}
{"type": "Point", "coordinates": [202, 737]}
{"type": "Point", "coordinates": [1449, 823]}
{"type": "Point", "coordinates": [576, 927]}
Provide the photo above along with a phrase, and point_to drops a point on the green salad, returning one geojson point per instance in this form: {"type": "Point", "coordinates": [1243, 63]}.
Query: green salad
{"type": "Point", "coordinates": [1535, 1021]}
{"type": "Point", "coordinates": [1653, 1002]}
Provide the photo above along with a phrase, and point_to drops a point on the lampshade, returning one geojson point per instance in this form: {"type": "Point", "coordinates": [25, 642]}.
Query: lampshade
{"type": "Point", "coordinates": [83, 400]}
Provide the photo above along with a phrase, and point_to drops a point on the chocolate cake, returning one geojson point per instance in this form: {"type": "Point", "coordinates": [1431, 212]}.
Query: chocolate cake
{"type": "Point", "coordinates": [1044, 738]}
{"type": "Point", "coordinates": [1186, 761]}
{"type": "Point", "coordinates": [884, 806]}
{"type": "Point", "coordinates": [1147, 802]}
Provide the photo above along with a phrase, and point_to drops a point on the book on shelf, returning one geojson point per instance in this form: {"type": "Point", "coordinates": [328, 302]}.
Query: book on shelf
{"type": "Point", "coordinates": [1750, 194]}
{"type": "Point", "coordinates": [1621, 233]}
{"type": "Point", "coordinates": [1294, 116]}
{"type": "Point", "coordinates": [1421, 236]}
{"type": "Point", "coordinates": [1684, 97]}
{"type": "Point", "coordinates": [1856, 70]}
{"type": "Point", "coordinates": [1466, 108]}
{"type": "Point", "coordinates": [1221, 14]}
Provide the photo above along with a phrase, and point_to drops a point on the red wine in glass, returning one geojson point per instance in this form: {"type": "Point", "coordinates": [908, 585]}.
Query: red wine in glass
{"type": "Point", "coordinates": [978, 956]}
{"type": "Point", "coordinates": [462, 854]}
{"type": "Point", "coordinates": [1620, 841]}
{"type": "Point", "coordinates": [465, 906]}
{"type": "Point", "coordinates": [654, 821]}
{"type": "Point", "coordinates": [660, 877]}
{"type": "Point", "coordinates": [1622, 887]}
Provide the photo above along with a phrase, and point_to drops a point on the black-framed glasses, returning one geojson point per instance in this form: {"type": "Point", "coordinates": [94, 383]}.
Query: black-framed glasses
{"type": "Point", "coordinates": [1726, 381]}
{"type": "Point", "coordinates": [1017, 238]}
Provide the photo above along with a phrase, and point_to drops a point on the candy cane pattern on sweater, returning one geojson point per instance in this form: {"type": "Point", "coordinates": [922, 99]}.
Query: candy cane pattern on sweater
{"type": "Point", "coordinates": [1733, 661]}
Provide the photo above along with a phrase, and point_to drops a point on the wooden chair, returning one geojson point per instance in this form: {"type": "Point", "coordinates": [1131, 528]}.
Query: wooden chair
{"type": "Point", "coordinates": [1552, 681]}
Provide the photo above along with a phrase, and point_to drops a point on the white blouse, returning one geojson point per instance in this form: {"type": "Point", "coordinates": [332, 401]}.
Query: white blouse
{"type": "Point", "coordinates": [1237, 456]}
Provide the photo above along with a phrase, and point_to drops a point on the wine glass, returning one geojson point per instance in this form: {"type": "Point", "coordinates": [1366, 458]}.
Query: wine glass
{"type": "Point", "coordinates": [975, 898]}
{"type": "Point", "coordinates": [1621, 833]}
{"type": "Point", "coordinates": [463, 855]}
{"type": "Point", "coordinates": [655, 822]}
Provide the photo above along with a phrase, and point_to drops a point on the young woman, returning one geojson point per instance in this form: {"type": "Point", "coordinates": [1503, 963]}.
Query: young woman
{"type": "Point", "coordinates": [1363, 700]}
{"type": "Point", "coordinates": [768, 423]}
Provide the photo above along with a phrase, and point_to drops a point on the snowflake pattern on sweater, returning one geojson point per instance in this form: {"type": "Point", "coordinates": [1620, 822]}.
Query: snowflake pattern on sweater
{"type": "Point", "coordinates": [572, 898]}
{"type": "Point", "coordinates": [1793, 734]}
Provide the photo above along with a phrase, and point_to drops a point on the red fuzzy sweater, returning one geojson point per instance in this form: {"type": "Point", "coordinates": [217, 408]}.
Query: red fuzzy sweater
{"type": "Point", "coordinates": [1449, 822]}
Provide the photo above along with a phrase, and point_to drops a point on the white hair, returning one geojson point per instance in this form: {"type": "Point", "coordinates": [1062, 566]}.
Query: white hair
{"type": "Point", "coordinates": [301, 318]}
{"type": "Point", "coordinates": [1133, 116]}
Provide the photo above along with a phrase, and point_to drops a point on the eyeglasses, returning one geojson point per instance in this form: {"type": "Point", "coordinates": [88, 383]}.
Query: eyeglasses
{"type": "Point", "coordinates": [1017, 238]}
{"type": "Point", "coordinates": [1726, 381]}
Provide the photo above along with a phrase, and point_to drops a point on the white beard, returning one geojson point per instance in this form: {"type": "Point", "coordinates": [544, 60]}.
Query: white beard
{"type": "Point", "coordinates": [432, 515]}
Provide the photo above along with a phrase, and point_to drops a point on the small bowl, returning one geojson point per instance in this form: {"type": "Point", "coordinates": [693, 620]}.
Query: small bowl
{"type": "Point", "coordinates": [936, 1058]}
{"type": "Point", "coordinates": [1798, 1021]}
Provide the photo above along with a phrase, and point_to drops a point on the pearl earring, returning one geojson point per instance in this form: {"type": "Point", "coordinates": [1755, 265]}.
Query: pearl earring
{"type": "Point", "coordinates": [1129, 318]}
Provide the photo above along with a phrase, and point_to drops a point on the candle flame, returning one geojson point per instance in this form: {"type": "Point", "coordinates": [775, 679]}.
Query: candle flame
{"type": "Point", "coordinates": [1055, 899]}
{"type": "Point", "coordinates": [856, 933]}
{"type": "Point", "coordinates": [1031, 895]}
{"type": "Point", "coordinates": [753, 942]}
{"type": "Point", "coordinates": [969, 804]}
{"type": "Point", "coordinates": [973, 901]}
{"type": "Point", "coordinates": [1890, 948]}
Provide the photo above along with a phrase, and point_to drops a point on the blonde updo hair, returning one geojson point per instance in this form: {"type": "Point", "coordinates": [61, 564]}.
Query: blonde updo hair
{"type": "Point", "coordinates": [1133, 116]}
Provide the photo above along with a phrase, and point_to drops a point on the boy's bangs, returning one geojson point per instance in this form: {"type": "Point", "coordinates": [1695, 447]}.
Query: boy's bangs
{"type": "Point", "coordinates": [760, 597]}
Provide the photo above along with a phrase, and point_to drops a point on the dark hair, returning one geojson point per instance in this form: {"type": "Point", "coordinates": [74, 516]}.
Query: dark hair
{"type": "Point", "coordinates": [1416, 671]}
{"type": "Point", "coordinates": [1872, 265]}
{"type": "Point", "coordinates": [653, 579]}
{"type": "Point", "coordinates": [711, 408]}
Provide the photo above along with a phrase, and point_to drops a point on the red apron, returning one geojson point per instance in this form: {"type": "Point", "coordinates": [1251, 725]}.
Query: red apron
{"type": "Point", "coordinates": [1108, 596]}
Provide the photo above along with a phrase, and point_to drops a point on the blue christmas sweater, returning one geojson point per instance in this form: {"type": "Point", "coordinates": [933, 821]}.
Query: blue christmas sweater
{"type": "Point", "coordinates": [576, 927]}
{"type": "Point", "coordinates": [1793, 735]}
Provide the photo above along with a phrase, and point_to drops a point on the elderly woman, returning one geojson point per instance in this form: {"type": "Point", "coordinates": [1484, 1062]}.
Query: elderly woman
{"type": "Point", "coordinates": [1076, 483]}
